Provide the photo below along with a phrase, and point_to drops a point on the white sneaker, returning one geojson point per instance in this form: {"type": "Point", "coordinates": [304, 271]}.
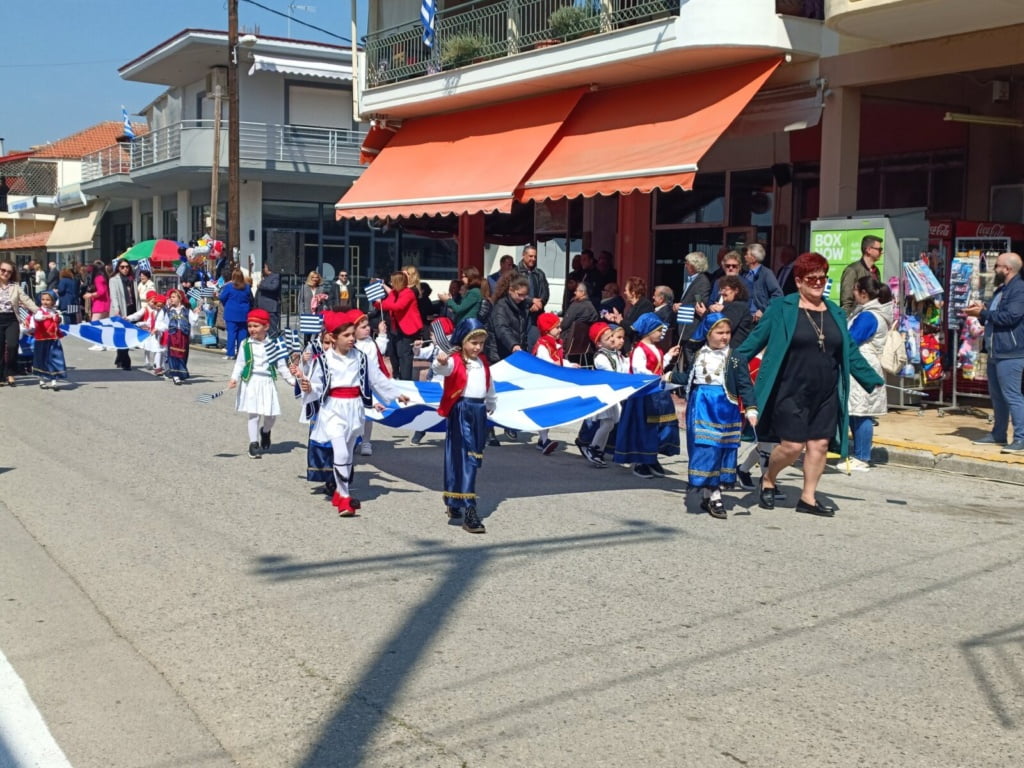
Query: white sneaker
{"type": "Point", "coordinates": [856, 465]}
{"type": "Point", "coordinates": [365, 449]}
{"type": "Point", "coordinates": [97, 348]}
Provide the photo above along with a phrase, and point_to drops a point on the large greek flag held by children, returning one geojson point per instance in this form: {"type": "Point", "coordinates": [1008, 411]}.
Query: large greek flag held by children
{"type": "Point", "coordinates": [533, 394]}
{"type": "Point", "coordinates": [113, 332]}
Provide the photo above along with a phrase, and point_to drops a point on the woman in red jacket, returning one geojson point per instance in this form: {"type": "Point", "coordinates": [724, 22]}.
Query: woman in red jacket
{"type": "Point", "coordinates": [402, 305]}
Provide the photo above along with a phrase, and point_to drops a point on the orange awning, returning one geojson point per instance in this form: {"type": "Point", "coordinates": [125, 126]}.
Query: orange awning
{"type": "Point", "coordinates": [638, 138]}
{"type": "Point", "coordinates": [460, 162]}
{"type": "Point", "coordinates": [379, 136]}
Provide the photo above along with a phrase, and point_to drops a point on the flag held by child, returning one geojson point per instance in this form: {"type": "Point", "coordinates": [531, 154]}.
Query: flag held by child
{"type": "Point", "coordinates": [375, 291]}
{"type": "Point", "coordinates": [687, 314]}
{"type": "Point", "coordinates": [311, 324]}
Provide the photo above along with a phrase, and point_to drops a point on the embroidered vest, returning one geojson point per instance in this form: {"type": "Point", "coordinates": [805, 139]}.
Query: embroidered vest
{"type": "Point", "coordinates": [455, 383]}
{"type": "Point", "coordinates": [365, 389]}
{"type": "Point", "coordinates": [611, 356]}
{"type": "Point", "coordinates": [47, 329]}
{"type": "Point", "coordinates": [553, 346]}
{"type": "Point", "coordinates": [247, 368]}
{"type": "Point", "coordinates": [653, 357]}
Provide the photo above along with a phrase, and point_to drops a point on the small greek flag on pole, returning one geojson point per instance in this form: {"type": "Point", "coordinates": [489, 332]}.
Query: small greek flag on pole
{"type": "Point", "coordinates": [440, 337]}
{"type": "Point", "coordinates": [293, 339]}
{"type": "Point", "coordinates": [375, 291]}
{"type": "Point", "coordinates": [687, 314]}
{"type": "Point", "coordinates": [127, 124]}
{"type": "Point", "coordinates": [428, 12]}
{"type": "Point", "coordinates": [311, 324]}
{"type": "Point", "coordinates": [277, 349]}
{"type": "Point", "coordinates": [828, 286]}
{"type": "Point", "coordinates": [195, 293]}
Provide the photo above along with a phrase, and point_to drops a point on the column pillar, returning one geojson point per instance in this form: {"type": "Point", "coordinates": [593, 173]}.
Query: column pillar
{"type": "Point", "coordinates": [633, 241]}
{"type": "Point", "coordinates": [471, 241]}
{"type": "Point", "coordinates": [184, 233]}
{"type": "Point", "coordinates": [158, 218]}
{"type": "Point", "coordinates": [840, 153]}
{"type": "Point", "coordinates": [136, 221]}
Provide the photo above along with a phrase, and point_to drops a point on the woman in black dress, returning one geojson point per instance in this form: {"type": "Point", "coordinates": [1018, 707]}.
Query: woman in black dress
{"type": "Point", "coordinates": [803, 381]}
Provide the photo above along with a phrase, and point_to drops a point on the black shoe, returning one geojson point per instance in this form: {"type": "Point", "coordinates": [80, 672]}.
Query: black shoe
{"type": "Point", "coordinates": [454, 513]}
{"type": "Point", "coordinates": [511, 434]}
{"type": "Point", "coordinates": [746, 481]}
{"type": "Point", "coordinates": [817, 508]}
{"type": "Point", "coordinates": [264, 439]}
{"type": "Point", "coordinates": [471, 523]}
{"type": "Point", "coordinates": [657, 469]}
{"type": "Point", "coordinates": [493, 442]}
{"type": "Point", "coordinates": [714, 507]}
{"type": "Point", "coordinates": [766, 498]}
{"type": "Point", "coordinates": [254, 451]}
{"type": "Point", "coordinates": [643, 471]}
{"type": "Point", "coordinates": [583, 448]}
{"type": "Point", "coordinates": [417, 437]}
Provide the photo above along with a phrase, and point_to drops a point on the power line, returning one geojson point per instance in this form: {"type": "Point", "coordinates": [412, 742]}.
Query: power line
{"type": "Point", "coordinates": [297, 21]}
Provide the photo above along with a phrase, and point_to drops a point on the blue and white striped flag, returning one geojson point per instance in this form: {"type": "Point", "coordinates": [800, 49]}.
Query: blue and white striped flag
{"type": "Point", "coordinates": [277, 349]}
{"type": "Point", "coordinates": [293, 339]}
{"type": "Point", "coordinates": [428, 12]}
{"type": "Point", "coordinates": [828, 287]}
{"type": "Point", "coordinates": [127, 124]}
{"type": "Point", "coordinates": [141, 264]}
{"type": "Point", "coordinates": [533, 394]}
{"type": "Point", "coordinates": [311, 324]}
{"type": "Point", "coordinates": [375, 291]}
{"type": "Point", "coordinates": [22, 315]}
{"type": "Point", "coordinates": [687, 314]}
{"type": "Point", "coordinates": [113, 332]}
{"type": "Point", "coordinates": [196, 292]}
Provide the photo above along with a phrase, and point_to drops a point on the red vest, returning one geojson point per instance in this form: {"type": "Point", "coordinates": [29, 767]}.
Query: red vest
{"type": "Point", "coordinates": [654, 359]}
{"type": "Point", "coordinates": [553, 346]}
{"type": "Point", "coordinates": [455, 383]}
{"type": "Point", "coordinates": [47, 329]}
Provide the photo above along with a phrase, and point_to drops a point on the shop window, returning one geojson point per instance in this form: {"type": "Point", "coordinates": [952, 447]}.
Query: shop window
{"type": "Point", "coordinates": [869, 194]}
{"type": "Point", "coordinates": [905, 188]}
{"type": "Point", "coordinates": [947, 192]}
{"type": "Point", "coordinates": [751, 198]}
{"type": "Point", "coordinates": [201, 223]}
{"type": "Point", "coordinates": [146, 226]}
{"type": "Point", "coordinates": [704, 204]}
{"type": "Point", "coordinates": [284, 214]}
{"type": "Point", "coordinates": [671, 247]}
{"type": "Point", "coordinates": [170, 223]}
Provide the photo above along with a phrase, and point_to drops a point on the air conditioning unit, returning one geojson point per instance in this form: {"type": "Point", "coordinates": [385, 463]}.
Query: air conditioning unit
{"type": "Point", "coordinates": [217, 76]}
{"type": "Point", "coordinates": [1006, 203]}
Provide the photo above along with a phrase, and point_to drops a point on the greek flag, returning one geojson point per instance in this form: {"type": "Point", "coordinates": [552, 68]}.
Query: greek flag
{"type": "Point", "coordinates": [828, 287]}
{"type": "Point", "coordinates": [277, 349]}
{"type": "Point", "coordinates": [375, 291]}
{"type": "Point", "coordinates": [533, 394]}
{"type": "Point", "coordinates": [196, 292]}
{"type": "Point", "coordinates": [428, 11]}
{"type": "Point", "coordinates": [127, 124]}
{"type": "Point", "coordinates": [311, 324]}
{"type": "Point", "coordinates": [686, 314]}
{"type": "Point", "coordinates": [113, 332]}
{"type": "Point", "coordinates": [440, 337]}
{"type": "Point", "coordinates": [293, 339]}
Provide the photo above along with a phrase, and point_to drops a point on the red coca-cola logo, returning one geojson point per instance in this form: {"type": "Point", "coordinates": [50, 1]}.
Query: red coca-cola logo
{"type": "Point", "coordinates": [990, 230]}
{"type": "Point", "coordinates": [940, 229]}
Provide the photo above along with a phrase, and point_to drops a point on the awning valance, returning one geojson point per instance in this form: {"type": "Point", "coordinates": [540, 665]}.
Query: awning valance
{"type": "Point", "coordinates": [460, 162]}
{"type": "Point", "coordinates": [639, 138]}
{"type": "Point", "coordinates": [24, 242]}
{"type": "Point", "coordinates": [75, 229]}
{"type": "Point", "coordinates": [327, 70]}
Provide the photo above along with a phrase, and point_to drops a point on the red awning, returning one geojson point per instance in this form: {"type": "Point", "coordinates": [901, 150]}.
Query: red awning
{"type": "Point", "coordinates": [379, 136]}
{"type": "Point", "coordinates": [460, 162]}
{"type": "Point", "coordinates": [638, 138]}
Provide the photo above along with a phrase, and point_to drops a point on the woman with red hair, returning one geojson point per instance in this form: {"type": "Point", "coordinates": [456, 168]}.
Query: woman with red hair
{"type": "Point", "coordinates": [808, 359]}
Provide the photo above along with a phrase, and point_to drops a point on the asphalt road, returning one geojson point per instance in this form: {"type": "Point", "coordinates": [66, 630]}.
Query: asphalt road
{"type": "Point", "coordinates": [169, 602]}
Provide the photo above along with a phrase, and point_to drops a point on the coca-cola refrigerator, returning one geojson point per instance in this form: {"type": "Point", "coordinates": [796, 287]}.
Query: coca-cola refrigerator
{"type": "Point", "coordinates": [963, 254]}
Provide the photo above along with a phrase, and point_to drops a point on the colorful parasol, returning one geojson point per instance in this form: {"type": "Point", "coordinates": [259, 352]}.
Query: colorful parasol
{"type": "Point", "coordinates": [157, 251]}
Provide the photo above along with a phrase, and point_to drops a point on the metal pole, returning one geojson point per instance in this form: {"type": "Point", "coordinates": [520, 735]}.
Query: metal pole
{"type": "Point", "coordinates": [355, 66]}
{"type": "Point", "coordinates": [234, 225]}
{"type": "Point", "coordinates": [215, 166]}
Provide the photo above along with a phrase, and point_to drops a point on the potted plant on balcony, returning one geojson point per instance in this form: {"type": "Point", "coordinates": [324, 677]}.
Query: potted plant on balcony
{"type": "Point", "coordinates": [572, 21]}
{"type": "Point", "coordinates": [461, 49]}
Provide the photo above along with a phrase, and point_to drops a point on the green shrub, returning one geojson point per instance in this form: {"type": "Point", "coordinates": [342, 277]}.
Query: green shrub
{"type": "Point", "coordinates": [462, 48]}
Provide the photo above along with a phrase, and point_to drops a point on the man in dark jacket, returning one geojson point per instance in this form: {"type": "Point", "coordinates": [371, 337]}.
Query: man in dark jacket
{"type": "Point", "coordinates": [268, 296]}
{"type": "Point", "coordinates": [1004, 339]}
{"type": "Point", "coordinates": [539, 291]}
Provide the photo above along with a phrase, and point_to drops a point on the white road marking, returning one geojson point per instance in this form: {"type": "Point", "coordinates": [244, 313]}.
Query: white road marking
{"type": "Point", "coordinates": [25, 741]}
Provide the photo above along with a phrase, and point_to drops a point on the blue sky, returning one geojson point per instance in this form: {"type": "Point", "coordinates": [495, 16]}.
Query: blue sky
{"type": "Point", "coordinates": [60, 57]}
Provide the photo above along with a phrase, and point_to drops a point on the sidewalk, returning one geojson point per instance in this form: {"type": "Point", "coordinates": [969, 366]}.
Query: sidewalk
{"type": "Point", "coordinates": [933, 438]}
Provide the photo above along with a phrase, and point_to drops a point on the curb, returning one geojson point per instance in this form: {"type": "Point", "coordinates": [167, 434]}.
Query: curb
{"type": "Point", "coordinates": [930, 457]}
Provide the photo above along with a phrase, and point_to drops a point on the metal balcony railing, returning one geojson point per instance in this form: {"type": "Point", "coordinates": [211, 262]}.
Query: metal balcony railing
{"type": "Point", "coordinates": [258, 142]}
{"type": "Point", "coordinates": [490, 29]}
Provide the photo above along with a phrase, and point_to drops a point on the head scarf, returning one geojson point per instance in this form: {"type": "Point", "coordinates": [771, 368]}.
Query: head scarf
{"type": "Point", "coordinates": [646, 323]}
{"type": "Point", "coordinates": [466, 329]}
{"type": "Point", "coordinates": [711, 319]}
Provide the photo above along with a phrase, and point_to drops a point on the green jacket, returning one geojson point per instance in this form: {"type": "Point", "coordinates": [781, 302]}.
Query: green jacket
{"type": "Point", "coordinates": [774, 333]}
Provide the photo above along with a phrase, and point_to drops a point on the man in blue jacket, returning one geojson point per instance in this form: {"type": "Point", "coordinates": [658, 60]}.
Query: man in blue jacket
{"type": "Point", "coordinates": [1004, 339]}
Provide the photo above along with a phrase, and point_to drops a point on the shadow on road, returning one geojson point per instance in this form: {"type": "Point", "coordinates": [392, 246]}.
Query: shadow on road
{"type": "Point", "coordinates": [994, 660]}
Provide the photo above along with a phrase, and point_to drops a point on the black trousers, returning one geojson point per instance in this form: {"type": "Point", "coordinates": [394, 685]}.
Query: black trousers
{"type": "Point", "coordinates": [8, 345]}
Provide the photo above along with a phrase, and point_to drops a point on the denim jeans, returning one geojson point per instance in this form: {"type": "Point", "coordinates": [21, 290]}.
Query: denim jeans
{"type": "Point", "coordinates": [863, 433]}
{"type": "Point", "coordinates": [1004, 387]}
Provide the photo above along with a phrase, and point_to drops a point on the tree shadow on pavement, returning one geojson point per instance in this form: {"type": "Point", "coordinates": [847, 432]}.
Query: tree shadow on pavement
{"type": "Point", "coordinates": [993, 659]}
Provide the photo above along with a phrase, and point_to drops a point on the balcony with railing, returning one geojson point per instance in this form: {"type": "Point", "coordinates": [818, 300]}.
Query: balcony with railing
{"type": "Point", "coordinates": [484, 30]}
{"type": "Point", "coordinates": [189, 145]}
{"type": "Point", "coordinates": [905, 21]}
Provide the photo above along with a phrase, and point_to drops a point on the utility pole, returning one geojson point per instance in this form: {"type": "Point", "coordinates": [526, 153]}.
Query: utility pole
{"type": "Point", "coordinates": [234, 225]}
{"type": "Point", "coordinates": [215, 167]}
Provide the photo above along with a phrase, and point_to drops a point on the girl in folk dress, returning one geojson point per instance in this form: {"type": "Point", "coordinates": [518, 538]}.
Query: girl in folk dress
{"type": "Point", "coordinates": [468, 398]}
{"type": "Point", "coordinates": [549, 348]}
{"type": "Point", "coordinates": [256, 380]}
{"type": "Point", "coordinates": [153, 319]}
{"type": "Point", "coordinates": [607, 342]}
{"type": "Point", "coordinates": [48, 354]}
{"type": "Point", "coordinates": [374, 350]}
{"type": "Point", "coordinates": [345, 385]}
{"type": "Point", "coordinates": [179, 327]}
{"type": "Point", "coordinates": [648, 425]}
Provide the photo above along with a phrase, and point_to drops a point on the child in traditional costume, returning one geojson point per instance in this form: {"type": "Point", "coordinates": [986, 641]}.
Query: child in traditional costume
{"type": "Point", "coordinates": [467, 399]}
{"type": "Point", "coordinates": [607, 357]}
{"type": "Point", "coordinates": [374, 349]}
{"type": "Point", "coordinates": [48, 353]}
{"type": "Point", "coordinates": [549, 348]}
{"type": "Point", "coordinates": [714, 385]}
{"type": "Point", "coordinates": [319, 454]}
{"type": "Point", "coordinates": [255, 377]}
{"type": "Point", "coordinates": [345, 384]}
{"type": "Point", "coordinates": [179, 330]}
{"type": "Point", "coordinates": [428, 351]}
{"type": "Point", "coordinates": [648, 425]}
{"type": "Point", "coordinates": [153, 319]}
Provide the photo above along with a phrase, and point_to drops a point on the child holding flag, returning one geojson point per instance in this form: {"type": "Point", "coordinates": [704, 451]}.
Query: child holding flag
{"type": "Point", "coordinates": [179, 331]}
{"type": "Point", "coordinates": [47, 353]}
{"type": "Point", "coordinates": [374, 350]}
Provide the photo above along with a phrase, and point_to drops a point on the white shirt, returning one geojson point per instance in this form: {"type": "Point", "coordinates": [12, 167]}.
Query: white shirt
{"type": "Point", "coordinates": [476, 379]}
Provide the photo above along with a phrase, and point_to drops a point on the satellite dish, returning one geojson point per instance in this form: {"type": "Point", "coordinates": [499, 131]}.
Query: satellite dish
{"type": "Point", "coordinates": [327, 271]}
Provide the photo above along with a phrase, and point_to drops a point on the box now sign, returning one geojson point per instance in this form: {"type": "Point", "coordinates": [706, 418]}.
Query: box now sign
{"type": "Point", "coordinates": [842, 247]}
